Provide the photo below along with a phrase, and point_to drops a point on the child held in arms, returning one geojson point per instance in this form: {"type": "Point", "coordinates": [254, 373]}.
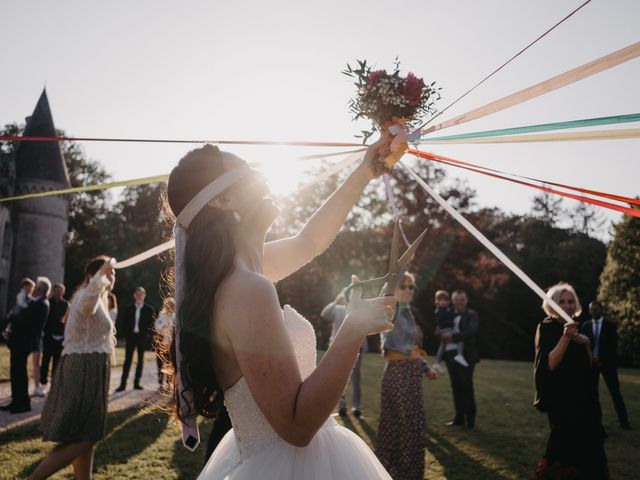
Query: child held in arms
{"type": "Point", "coordinates": [444, 320]}
{"type": "Point", "coordinates": [23, 298]}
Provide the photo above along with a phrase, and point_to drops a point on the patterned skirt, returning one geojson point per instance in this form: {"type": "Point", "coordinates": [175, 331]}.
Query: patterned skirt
{"type": "Point", "coordinates": [400, 442]}
{"type": "Point", "coordinates": [76, 406]}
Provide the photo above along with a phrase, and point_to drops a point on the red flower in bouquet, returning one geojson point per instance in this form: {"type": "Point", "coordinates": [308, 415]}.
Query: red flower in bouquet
{"type": "Point", "coordinates": [385, 97]}
{"type": "Point", "coordinates": [412, 89]}
{"type": "Point", "coordinates": [375, 76]}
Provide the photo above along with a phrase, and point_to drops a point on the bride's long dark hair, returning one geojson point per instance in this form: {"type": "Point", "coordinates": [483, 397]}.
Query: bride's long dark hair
{"type": "Point", "coordinates": [208, 261]}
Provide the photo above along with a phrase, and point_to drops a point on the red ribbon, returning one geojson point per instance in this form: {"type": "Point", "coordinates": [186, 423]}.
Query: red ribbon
{"type": "Point", "coordinates": [488, 171]}
{"type": "Point", "coordinates": [16, 138]}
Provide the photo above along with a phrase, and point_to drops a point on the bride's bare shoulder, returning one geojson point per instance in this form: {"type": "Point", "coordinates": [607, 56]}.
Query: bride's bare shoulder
{"type": "Point", "coordinates": [245, 292]}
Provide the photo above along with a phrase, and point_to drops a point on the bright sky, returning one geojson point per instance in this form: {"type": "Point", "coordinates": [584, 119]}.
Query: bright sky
{"type": "Point", "coordinates": [271, 70]}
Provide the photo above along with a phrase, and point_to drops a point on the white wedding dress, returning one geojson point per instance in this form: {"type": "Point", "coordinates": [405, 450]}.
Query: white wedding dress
{"type": "Point", "coordinates": [253, 450]}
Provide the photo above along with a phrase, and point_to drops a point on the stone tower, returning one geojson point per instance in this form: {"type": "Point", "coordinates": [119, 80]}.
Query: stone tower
{"type": "Point", "coordinates": [39, 225]}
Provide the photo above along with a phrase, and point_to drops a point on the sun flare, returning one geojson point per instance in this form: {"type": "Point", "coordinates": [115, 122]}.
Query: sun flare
{"type": "Point", "coordinates": [283, 175]}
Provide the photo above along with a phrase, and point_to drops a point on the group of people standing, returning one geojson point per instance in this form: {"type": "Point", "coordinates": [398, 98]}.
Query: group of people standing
{"type": "Point", "coordinates": [35, 327]}
{"type": "Point", "coordinates": [79, 337]}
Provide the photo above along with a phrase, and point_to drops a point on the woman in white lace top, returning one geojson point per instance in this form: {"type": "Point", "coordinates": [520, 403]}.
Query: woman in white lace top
{"type": "Point", "coordinates": [75, 412]}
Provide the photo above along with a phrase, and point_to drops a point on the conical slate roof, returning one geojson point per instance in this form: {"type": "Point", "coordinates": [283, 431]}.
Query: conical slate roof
{"type": "Point", "coordinates": [40, 160]}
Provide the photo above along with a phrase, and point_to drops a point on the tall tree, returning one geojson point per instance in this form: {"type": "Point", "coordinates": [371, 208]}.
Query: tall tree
{"type": "Point", "coordinates": [548, 208]}
{"type": "Point", "coordinates": [586, 219]}
{"type": "Point", "coordinates": [620, 285]}
{"type": "Point", "coordinates": [88, 213]}
{"type": "Point", "coordinates": [137, 225]}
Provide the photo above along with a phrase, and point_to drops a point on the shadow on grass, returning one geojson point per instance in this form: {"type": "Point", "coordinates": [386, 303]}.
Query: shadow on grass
{"type": "Point", "coordinates": [456, 464]}
{"type": "Point", "coordinates": [361, 427]}
{"type": "Point", "coordinates": [190, 464]}
{"type": "Point", "coordinates": [127, 435]}
{"type": "Point", "coordinates": [137, 431]}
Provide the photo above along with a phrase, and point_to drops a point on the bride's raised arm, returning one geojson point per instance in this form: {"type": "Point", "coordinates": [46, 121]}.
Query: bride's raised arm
{"type": "Point", "coordinates": [283, 257]}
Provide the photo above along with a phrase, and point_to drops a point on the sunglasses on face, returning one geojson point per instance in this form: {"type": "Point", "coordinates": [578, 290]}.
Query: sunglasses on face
{"type": "Point", "coordinates": [404, 287]}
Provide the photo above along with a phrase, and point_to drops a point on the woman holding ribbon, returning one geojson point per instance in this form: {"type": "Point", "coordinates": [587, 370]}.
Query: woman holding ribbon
{"type": "Point", "coordinates": [75, 412]}
{"type": "Point", "coordinates": [235, 343]}
{"type": "Point", "coordinates": [562, 369]}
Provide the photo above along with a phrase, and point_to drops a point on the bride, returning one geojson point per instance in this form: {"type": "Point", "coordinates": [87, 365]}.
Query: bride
{"type": "Point", "coordinates": [235, 344]}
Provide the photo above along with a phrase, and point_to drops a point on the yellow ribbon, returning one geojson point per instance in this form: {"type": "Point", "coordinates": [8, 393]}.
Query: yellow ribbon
{"type": "Point", "coordinates": [88, 188]}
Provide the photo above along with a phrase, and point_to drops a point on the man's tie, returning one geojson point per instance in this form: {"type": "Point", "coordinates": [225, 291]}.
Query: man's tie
{"type": "Point", "coordinates": [596, 339]}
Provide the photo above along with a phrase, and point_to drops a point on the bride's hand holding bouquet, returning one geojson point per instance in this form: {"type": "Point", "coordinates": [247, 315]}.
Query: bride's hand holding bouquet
{"type": "Point", "coordinates": [394, 104]}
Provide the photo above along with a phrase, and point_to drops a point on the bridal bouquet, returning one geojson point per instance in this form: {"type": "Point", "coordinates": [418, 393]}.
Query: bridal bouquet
{"type": "Point", "coordinates": [392, 102]}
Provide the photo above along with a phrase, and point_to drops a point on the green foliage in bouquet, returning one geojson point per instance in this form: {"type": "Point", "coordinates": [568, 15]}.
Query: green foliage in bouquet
{"type": "Point", "coordinates": [384, 97]}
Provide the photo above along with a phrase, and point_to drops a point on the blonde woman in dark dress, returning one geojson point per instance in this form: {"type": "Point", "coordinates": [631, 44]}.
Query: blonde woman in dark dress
{"type": "Point", "coordinates": [575, 448]}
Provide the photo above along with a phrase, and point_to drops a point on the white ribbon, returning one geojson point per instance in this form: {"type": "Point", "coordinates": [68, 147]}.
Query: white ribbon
{"type": "Point", "coordinates": [490, 246]}
{"type": "Point", "coordinates": [599, 65]}
{"type": "Point", "coordinates": [169, 244]}
{"type": "Point", "coordinates": [617, 134]}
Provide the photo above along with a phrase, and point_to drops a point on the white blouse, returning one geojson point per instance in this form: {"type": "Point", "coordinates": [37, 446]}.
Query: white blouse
{"type": "Point", "coordinates": [89, 327]}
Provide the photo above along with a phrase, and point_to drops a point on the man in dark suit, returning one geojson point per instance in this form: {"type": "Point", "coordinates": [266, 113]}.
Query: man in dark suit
{"type": "Point", "coordinates": [137, 328]}
{"type": "Point", "coordinates": [26, 334]}
{"type": "Point", "coordinates": [465, 329]}
{"type": "Point", "coordinates": [603, 336]}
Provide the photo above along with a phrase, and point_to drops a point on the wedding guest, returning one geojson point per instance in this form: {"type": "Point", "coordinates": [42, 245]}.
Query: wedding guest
{"type": "Point", "coordinates": [113, 308]}
{"type": "Point", "coordinates": [137, 326]}
{"type": "Point", "coordinates": [400, 441]}
{"type": "Point", "coordinates": [23, 298]}
{"type": "Point", "coordinates": [38, 334]}
{"type": "Point", "coordinates": [75, 412]}
{"type": "Point", "coordinates": [53, 332]}
{"type": "Point", "coordinates": [444, 322]}
{"type": "Point", "coordinates": [335, 312]}
{"type": "Point", "coordinates": [603, 336]}
{"type": "Point", "coordinates": [564, 391]}
{"type": "Point", "coordinates": [163, 327]}
{"type": "Point", "coordinates": [22, 301]}
{"type": "Point", "coordinates": [465, 329]}
{"type": "Point", "coordinates": [26, 337]}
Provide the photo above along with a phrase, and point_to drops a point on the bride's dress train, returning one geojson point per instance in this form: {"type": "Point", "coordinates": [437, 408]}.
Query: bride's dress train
{"type": "Point", "coordinates": [253, 450]}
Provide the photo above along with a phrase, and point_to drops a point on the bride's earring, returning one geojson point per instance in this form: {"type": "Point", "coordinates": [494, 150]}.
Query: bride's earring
{"type": "Point", "coordinates": [237, 217]}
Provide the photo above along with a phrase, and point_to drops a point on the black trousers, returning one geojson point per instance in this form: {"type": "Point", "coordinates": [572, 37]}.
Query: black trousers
{"type": "Point", "coordinates": [610, 375]}
{"type": "Point", "coordinates": [220, 428]}
{"type": "Point", "coordinates": [19, 378]}
{"type": "Point", "coordinates": [135, 342]}
{"type": "Point", "coordinates": [462, 386]}
{"type": "Point", "coordinates": [51, 350]}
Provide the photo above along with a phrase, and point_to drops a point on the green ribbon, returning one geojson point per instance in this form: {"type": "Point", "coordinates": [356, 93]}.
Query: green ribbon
{"type": "Point", "coordinates": [543, 127]}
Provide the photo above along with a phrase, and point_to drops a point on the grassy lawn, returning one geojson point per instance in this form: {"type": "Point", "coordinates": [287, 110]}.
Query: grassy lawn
{"type": "Point", "coordinates": [509, 438]}
{"type": "Point", "coordinates": [4, 360]}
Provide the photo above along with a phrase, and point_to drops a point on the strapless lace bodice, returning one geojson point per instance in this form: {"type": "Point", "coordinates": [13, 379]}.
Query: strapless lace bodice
{"type": "Point", "coordinates": [251, 428]}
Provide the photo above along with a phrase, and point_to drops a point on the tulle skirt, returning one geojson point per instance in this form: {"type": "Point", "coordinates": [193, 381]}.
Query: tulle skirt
{"type": "Point", "coordinates": [334, 453]}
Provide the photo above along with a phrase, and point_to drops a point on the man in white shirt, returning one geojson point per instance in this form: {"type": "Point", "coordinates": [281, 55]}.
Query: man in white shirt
{"type": "Point", "coordinates": [137, 328]}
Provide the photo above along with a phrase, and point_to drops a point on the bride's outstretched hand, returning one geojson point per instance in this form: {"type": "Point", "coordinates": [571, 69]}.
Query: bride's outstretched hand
{"type": "Point", "coordinates": [376, 153]}
{"type": "Point", "coordinates": [368, 316]}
